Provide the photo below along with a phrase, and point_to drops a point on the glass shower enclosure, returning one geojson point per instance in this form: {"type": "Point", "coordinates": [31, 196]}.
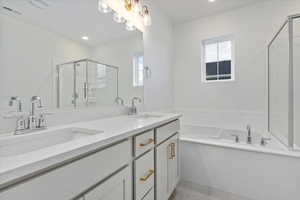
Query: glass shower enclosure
{"type": "Point", "coordinates": [86, 83]}
{"type": "Point", "coordinates": [284, 83]}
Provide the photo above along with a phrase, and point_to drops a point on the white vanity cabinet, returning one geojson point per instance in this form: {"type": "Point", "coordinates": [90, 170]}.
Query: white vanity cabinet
{"type": "Point", "coordinates": [167, 162]}
{"type": "Point", "coordinates": [70, 180]}
{"type": "Point", "coordinates": [141, 167]}
{"type": "Point", "coordinates": [117, 187]}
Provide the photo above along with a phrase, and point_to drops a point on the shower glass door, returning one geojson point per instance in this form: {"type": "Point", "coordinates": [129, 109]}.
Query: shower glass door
{"type": "Point", "coordinates": [86, 83]}
{"type": "Point", "coordinates": [278, 79]}
{"type": "Point", "coordinates": [296, 63]}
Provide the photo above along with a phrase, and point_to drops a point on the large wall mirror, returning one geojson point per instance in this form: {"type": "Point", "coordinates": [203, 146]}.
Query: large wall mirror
{"type": "Point", "coordinates": [68, 53]}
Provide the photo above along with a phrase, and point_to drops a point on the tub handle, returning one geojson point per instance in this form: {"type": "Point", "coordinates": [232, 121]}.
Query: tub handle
{"type": "Point", "coordinates": [264, 140]}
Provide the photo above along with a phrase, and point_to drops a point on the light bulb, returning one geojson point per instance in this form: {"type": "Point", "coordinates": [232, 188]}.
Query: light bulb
{"type": "Point", "coordinates": [130, 26]}
{"type": "Point", "coordinates": [147, 17]}
{"type": "Point", "coordinates": [147, 20]}
{"type": "Point", "coordinates": [85, 37]}
{"type": "Point", "coordinates": [118, 18]}
{"type": "Point", "coordinates": [137, 7]}
{"type": "Point", "coordinates": [103, 7]}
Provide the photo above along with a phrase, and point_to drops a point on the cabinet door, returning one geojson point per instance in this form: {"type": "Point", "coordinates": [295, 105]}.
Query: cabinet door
{"type": "Point", "coordinates": [167, 174]}
{"type": "Point", "coordinates": [173, 163]}
{"type": "Point", "coordinates": [163, 154]}
{"type": "Point", "coordinates": [117, 187]}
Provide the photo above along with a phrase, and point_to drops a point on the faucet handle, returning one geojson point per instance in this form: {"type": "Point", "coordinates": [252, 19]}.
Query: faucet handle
{"type": "Point", "coordinates": [264, 140]}
{"type": "Point", "coordinates": [137, 98]}
{"type": "Point", "coordinates": [20, 125]}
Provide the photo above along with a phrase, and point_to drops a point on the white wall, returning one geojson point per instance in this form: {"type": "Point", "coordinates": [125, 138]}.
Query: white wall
{"type": "Point", "coordinates": [158, 51]}
{"type": "Point", "coordinates": [252, 27]}
{"type": "Point", "coordinates": [28, 57]}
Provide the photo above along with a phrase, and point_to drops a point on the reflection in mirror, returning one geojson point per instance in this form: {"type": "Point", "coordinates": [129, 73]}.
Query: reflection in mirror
{"type": "Point", "coordinates": [85, 83]}
{"type": "Point", "coordinates": [69, 53]}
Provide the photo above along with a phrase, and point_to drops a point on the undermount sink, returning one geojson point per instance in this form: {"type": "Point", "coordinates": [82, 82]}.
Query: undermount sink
{"type": "Point", "coordinates": [22, 144]}
{"type": "Point", "coordinates": [147, 116]}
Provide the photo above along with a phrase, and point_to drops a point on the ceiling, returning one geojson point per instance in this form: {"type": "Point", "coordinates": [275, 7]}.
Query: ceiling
{"type": "Point", "coordinates": [70, 18]}
{"type": "Point", "coordinates": [184, 10]}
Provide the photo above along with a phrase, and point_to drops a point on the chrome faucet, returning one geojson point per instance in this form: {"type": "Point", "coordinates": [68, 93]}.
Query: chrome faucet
{"type": "Point", "coordinates": [32, 119]}
{"type": "Point", "coordinates": [32, 122]}
{"type": "Point", "coordinates": [249, 137]}
{"type": "Point", "coordinates": [18, 100]}
{"type": "Point", "coordinates": [133, 108]}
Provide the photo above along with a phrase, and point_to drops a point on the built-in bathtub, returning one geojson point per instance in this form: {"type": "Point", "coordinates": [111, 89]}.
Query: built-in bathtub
{"type": "Point", "coordinates": [250, 171]}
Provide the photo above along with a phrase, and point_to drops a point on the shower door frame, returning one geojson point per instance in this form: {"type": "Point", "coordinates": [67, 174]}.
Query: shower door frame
{"type": "Point", "coordinates": [291, 132]}
{"type": "Point", "coordinates": [74, 63]}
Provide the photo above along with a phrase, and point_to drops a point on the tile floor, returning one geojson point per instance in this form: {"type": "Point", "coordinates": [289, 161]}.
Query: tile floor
{"type": "Point", "coordinates": [183, 193]}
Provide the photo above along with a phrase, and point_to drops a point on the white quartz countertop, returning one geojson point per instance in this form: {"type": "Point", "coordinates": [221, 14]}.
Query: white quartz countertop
{"type": "Point", "coordinates": [115, 129]}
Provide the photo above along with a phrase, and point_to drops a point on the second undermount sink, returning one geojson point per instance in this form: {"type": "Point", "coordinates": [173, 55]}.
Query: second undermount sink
{"type": "Point", "coordinates": [147, 116]}
{"type": "Point", "coordinates": [22, 144]}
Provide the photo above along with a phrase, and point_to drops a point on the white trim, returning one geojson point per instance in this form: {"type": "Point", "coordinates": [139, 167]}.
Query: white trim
{"type": "Point", "coordinates": [203, 64]}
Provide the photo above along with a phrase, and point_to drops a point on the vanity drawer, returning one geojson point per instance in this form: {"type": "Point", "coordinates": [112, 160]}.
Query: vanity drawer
{"type": "Point", "coordinates": [166, 131]}
{"type": "Point", "coordinates": [144, 175]}
{"type": "Point", "coordinates": [70, 180]}
{"type": "Point", "coordinates": [143, 142]}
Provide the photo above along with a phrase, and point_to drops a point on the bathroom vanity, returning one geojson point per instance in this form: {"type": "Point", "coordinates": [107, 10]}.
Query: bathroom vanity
{"type": "Point", "coordinates": [126, 157]}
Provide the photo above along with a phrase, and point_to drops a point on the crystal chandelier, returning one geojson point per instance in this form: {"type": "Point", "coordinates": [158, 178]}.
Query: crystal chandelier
{"type": "Point", "coordinates": [132, 13]}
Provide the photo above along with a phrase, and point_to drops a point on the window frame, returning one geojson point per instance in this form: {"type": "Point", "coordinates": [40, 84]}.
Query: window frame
{"type": "Point", "coordinates": [203, 56]}
{"type": "Point", "coordinates": [134, 71]}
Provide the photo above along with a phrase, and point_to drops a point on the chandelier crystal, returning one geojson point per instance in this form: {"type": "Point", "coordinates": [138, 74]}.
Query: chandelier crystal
{"type": "Point", "coordinates": [133, 13]}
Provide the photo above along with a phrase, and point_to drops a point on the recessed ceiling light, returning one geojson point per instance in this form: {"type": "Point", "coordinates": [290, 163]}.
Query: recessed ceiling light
{"type": "Point", "coordinates": [85, 37]}
{"type": "Point", "coordinates": [211, 0]}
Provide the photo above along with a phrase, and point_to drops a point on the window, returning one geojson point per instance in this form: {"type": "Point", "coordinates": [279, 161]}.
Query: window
{"type": "Point", "coordinates": [218, 62]}
{"type": "Point", "coordinates": [138, 70]}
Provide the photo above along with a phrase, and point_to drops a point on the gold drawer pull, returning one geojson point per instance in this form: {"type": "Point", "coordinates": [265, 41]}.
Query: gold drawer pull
{"type": "Point", "coordinates": [150, 173]}
{"type": "Point", "coordinates": [169, 152]}
{"type": "Point", "coordinates": [149, 141]}
{"type": "Point", "coordinates": [173, 150]}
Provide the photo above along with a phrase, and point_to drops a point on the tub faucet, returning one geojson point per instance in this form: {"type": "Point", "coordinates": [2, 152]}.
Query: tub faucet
{"type": "Point", "coordinates": [249, 137]}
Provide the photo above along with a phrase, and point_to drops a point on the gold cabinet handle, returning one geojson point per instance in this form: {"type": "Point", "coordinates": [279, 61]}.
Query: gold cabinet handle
{"type": "Point", "coordinates": [149, 141]}
{"type": "Point", "coordinates": [150, 173]}
{"type": "Point", "coordinates": [173, 155]}
{"type": "Point", "coordinates": [169, 151]}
